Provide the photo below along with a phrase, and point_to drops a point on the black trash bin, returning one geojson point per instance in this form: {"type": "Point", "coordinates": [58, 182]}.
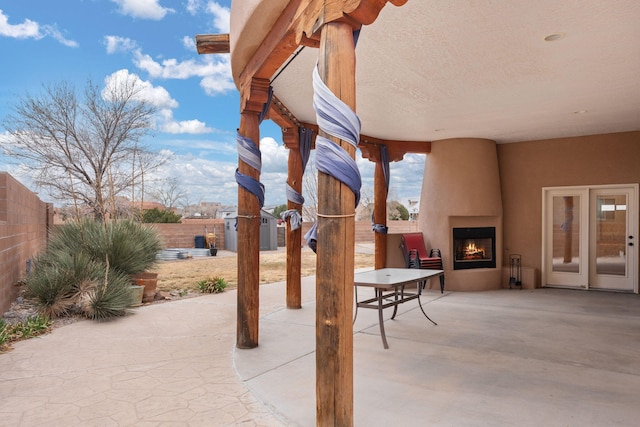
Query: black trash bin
{"type": "Point", "coordinates": [200, 242]}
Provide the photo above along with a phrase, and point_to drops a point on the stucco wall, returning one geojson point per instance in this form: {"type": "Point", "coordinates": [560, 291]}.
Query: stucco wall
{"type": "Point", "coordinates": [527, 167]}
{"type": "Point", "coordinates": [461, 188]}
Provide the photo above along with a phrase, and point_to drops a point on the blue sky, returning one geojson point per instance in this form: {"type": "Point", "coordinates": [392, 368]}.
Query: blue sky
{"type": "Point", "coordinates": [45, 42]}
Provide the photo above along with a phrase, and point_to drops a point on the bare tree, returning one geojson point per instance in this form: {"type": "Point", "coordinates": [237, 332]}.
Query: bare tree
{"type": "Point", "coordinates": [168, 192]}
{"type": "Point", "coordinates": [81, 147]}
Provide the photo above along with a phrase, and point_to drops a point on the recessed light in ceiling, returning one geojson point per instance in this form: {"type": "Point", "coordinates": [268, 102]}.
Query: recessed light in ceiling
{"type": "Point", "coordinates": [580, 112]}
{"type": "Point", "coordinates": [555, 36]}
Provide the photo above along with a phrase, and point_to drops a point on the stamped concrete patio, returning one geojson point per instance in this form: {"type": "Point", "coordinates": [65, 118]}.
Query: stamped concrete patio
{"type": "Point", "coordinates": [501, 358]}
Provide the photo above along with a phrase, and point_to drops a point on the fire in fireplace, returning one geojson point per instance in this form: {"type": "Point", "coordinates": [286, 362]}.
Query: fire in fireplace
{"type": "Point", "coordinates": [474, 248]}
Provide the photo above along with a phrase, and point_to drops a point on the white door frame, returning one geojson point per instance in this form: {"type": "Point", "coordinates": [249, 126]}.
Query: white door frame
{"type": "Point", "coordinates": [581, 279]}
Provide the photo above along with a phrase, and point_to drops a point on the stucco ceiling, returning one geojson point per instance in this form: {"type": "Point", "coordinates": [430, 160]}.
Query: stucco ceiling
{"type": "Point", "coordinates": [433, 70]}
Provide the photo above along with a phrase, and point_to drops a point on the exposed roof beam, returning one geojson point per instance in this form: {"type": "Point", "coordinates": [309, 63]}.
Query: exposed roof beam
{"type": "Point", "coordinates": [396, 149]}
{"type": "Point", "coordinates": [212, 43]}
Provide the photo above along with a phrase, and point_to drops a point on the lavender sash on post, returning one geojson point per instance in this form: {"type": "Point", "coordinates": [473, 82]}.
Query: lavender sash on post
{"type": "Point", "coordinates": [337, 119]}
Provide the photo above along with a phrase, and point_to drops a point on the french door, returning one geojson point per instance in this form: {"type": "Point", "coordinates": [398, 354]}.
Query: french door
{"type": "Point", "coordinates": [590, 237]}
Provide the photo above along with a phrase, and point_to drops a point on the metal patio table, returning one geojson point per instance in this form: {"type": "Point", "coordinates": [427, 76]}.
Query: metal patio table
{"type": "Point", "coordinates": [389, 286]}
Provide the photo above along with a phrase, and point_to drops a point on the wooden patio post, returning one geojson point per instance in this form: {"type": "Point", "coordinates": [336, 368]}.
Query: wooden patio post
{"type": "Point", "coordinates": [335, 248]}
{"type": "Point", "coordinates": [380, 214]}
{"type": "Point", "coordinates": [249, 227]}
{"type": "Point", "coordinates": [291, 139]}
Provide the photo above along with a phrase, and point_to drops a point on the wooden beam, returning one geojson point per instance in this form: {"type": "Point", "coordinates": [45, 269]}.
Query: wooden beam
{"type": "Point", "coordinates": [249, 221]}
{"type": "Point", "coordinates": [212, 43]}
{"type": "Point", "coordinates": [294, 237]}
{"type": "Point", "coordinates": [335, 249]}
{"type": "Point", "coordinates": [397, 149]}
{"type": "Point", "coordinates": [280, 115]}
{"type": "Point", "coordinates": [277, 46]}
{"type": "Point", "coordinates": [355, 12]}
{"type": "Point", "coordinates": [379, 215]}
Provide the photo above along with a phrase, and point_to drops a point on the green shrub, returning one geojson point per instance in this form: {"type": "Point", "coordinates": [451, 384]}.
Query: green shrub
{"type": "Point", "coordinates": [212, 286]}
{"type": "Point", "coordinates": [32, 326]}
{"type": "Point", "coordinates": [109, 298]}
{"type": "Point", "coordinates": [128, 246]}
{"type": "Point", "coordinates": [156, 215]}
{"type": "Point", "coordinates": [58, 279]}
{"type": "Point", "coordinates": [87, 266]}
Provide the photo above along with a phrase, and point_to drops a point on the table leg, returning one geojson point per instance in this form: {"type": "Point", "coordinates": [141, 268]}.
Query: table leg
{"type": "Point", "coordinates": [355, 291]}
{"type": "Point", "coordinates": [395, 307]}
{"type": "Point", "coordinates": [423, 312]}
{"type": "Point", "coordinates": [381, 320]}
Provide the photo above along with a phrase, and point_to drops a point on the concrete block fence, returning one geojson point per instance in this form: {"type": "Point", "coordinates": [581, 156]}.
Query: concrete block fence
{"type": "Point", "coordinates": [24, 221]}
{"type": "Point", "coordinates": [183, 235]}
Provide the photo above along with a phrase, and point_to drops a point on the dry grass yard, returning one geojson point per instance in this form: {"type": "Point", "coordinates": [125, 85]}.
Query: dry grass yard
{"type": "Point", "coordinates": [185, 274]}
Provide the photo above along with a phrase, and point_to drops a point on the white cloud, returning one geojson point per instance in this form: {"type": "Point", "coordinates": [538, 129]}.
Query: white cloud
{"type": "Point", "coordinates": [217, 84]}
{"type": "Point", "coordinates": [169, 125]}
{"type": "Point", "coordinates": [189, 43]}
{"type": "Point", "coordinates": [209, 175]}
{"type": "Point", "coordinates": [31, 30]}
{"type": "Point", "coordinates": [157, 96]}
{"type": "Point", "coordinates": [193, 6]}
{"type": "Point", "coordinates": [53, 32]}
{"type": "Point", "coordinates": [203, 179]}
{"type": "Point", "coordinates": [217, 148]}
{"type": "Point", "coordinates": [28, 29]}
{"type": "Point", "coordinates": [274, 157]}
{"type": "Point", "coordinates": [119, 44]}
{"type": "Point", "coordinates": [221, 16]}
{"type": "Point", "coordinates": [174, 69]}
{"type": "Point", "coordinates": [144, 9]}
{"type": "Point", "coordinates": [406, 177]}
{"type": "Point", "coordinates": [160, 98]}
{"type": "Point", "coordinates": [215, 71]}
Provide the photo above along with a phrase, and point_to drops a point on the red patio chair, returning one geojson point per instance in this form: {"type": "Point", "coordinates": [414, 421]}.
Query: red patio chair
{"type": "Point", "coordinates": [415, 255]}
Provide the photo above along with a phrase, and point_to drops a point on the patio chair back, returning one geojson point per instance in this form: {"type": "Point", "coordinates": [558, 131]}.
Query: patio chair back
{"type": "Point", "coordinates": [415, 255]}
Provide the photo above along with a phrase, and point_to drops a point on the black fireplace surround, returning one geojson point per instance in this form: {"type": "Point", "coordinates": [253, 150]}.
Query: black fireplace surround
{"type": "Point", "coordinates": [474, 247]}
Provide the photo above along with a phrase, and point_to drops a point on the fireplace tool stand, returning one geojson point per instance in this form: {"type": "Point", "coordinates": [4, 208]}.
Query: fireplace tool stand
{"type": "Point", "coordinates": [515, 277]}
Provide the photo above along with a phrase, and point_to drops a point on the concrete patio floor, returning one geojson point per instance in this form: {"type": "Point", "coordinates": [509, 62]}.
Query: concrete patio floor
{"type": "Point", "coordinates": [500, 358]}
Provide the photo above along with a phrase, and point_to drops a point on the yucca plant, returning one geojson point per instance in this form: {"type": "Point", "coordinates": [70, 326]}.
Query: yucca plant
{"type": "Point", "coordinates": [109, 298]}
{"type": "Point", "coordinates": [130, 247]}
{"type": "Point", "coordinates": [59, 279]}
{"type": "Point", "coordinates": [87, 266]}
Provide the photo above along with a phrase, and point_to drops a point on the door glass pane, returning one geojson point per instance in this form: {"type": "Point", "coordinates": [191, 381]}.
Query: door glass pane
{"type": "Point", "coordinates": [611, 232]}
{"type": "Point", "coordinates": [566, 234]}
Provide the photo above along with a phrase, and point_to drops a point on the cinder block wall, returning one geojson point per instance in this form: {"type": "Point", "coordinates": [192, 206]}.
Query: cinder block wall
{"type": "Point", "coordinates": [184, 235]}
{"type": "Point", "coordinates": [24, 221]}
{"type": "Point", "coordinates": [364, 233]}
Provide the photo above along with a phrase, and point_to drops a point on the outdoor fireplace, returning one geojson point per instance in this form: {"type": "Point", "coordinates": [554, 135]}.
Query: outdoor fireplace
{"type": "Point", "coordinates": [474, 247]}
